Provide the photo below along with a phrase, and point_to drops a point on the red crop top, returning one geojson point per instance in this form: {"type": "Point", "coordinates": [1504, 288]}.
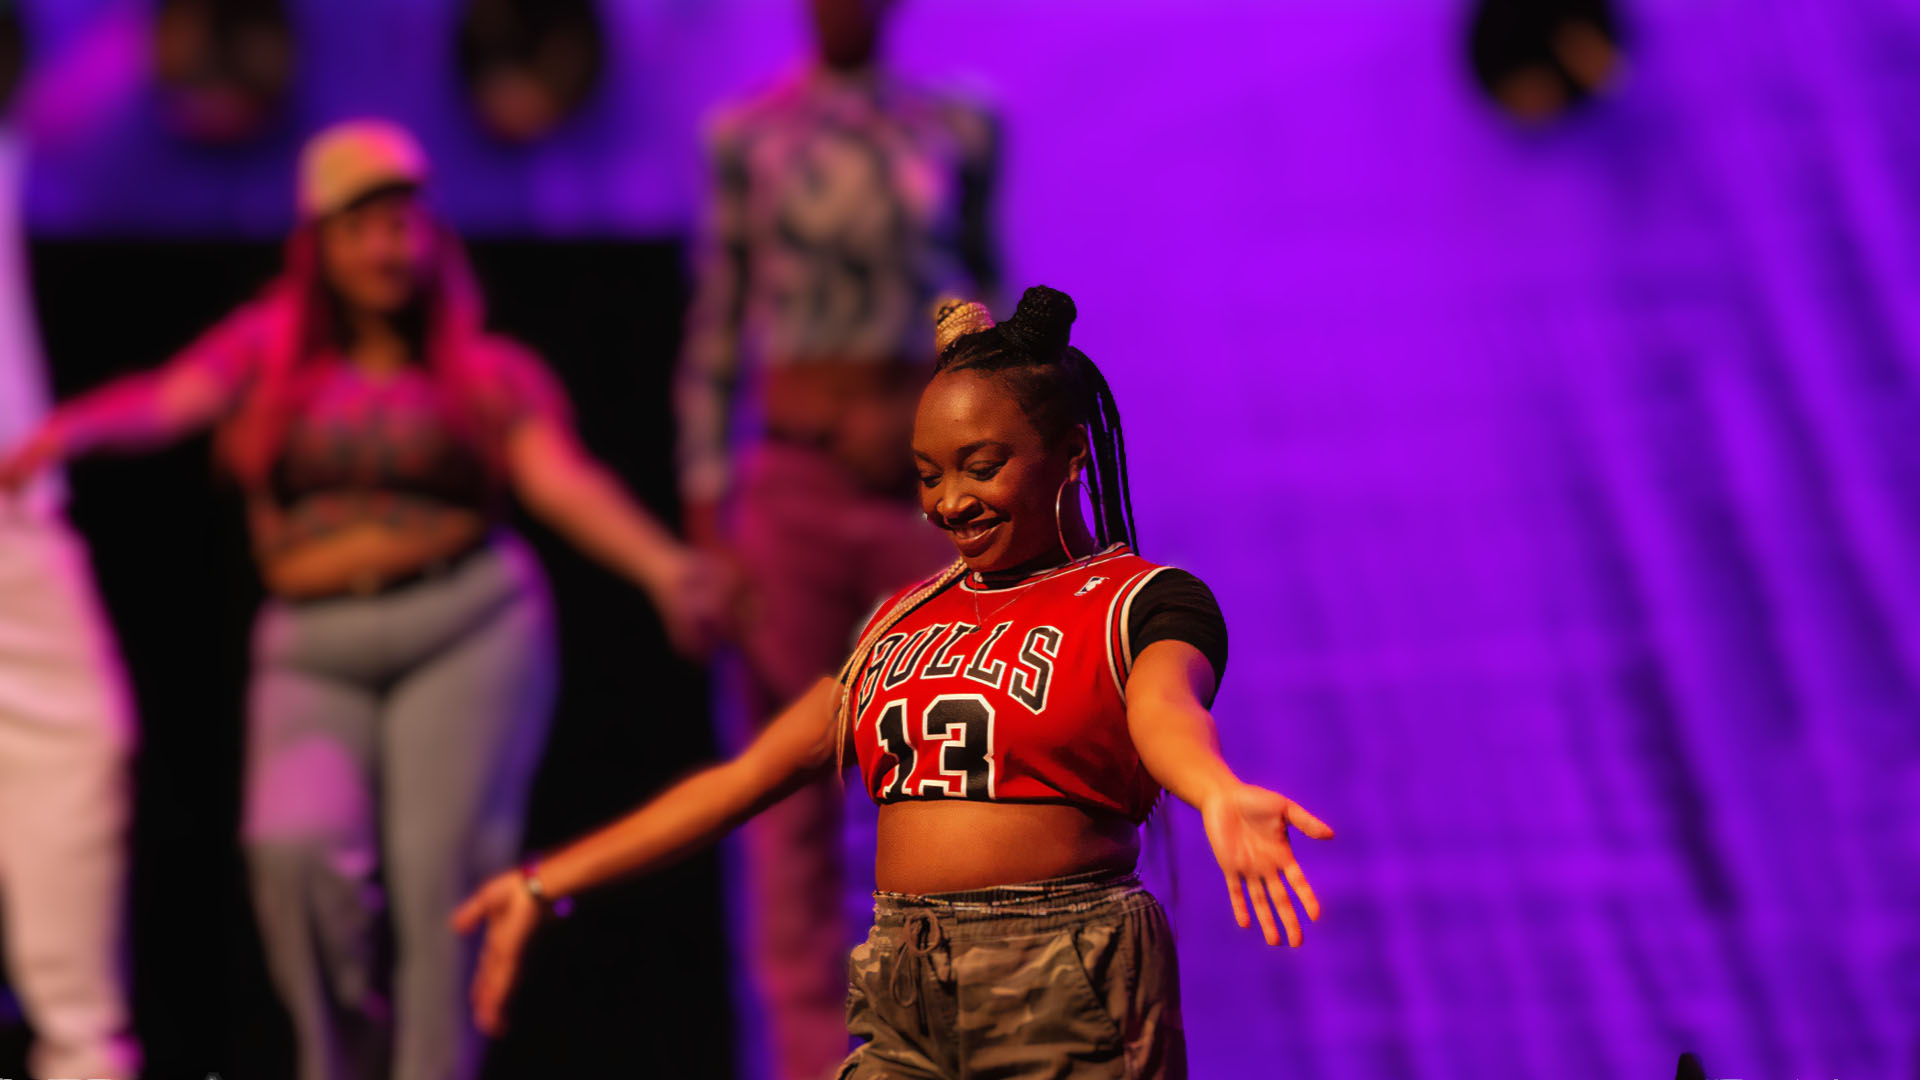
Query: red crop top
{"type": "Point", "coordinates": [1014, 694]}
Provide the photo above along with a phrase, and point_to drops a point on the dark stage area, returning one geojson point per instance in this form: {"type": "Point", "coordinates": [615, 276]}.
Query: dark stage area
{"type": "Point", "coordinates": [621, 986]}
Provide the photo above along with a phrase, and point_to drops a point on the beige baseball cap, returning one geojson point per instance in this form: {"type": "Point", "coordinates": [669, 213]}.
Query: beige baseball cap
{"type": "Point", "coordinates": [352, 158]}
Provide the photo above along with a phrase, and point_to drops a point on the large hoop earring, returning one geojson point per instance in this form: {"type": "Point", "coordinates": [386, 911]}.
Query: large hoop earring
{"type": "Point", "coordinates": [1059, 520]}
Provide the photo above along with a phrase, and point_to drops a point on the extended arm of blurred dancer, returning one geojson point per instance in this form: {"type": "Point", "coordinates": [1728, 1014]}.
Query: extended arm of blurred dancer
{"type": "Point", "coordinates": [577, 496]}
{"type": "Point", "coordinates": [1246, 824]}
{"type": "Point", "coordinates": [792, 750]}
{"type": "Point", "coordinates": [132, 413]}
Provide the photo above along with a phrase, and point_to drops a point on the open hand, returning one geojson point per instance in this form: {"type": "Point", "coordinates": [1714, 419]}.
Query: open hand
{"type": "Point", "coordinates": [19, 465]}
{"type": "Point", "coordinates": [509, 913]}
{"type": "Point", "coordinates": [696, 600]}
{"type": "Point", "coordinates": [1247, 827]}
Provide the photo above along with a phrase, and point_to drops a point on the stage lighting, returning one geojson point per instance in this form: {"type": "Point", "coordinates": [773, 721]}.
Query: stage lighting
{"type": "Point", "coordinates": [1539, 58]}
{"type": "Point", "coordinates": [223, 65]}
{"type": "Point", "coordinates": [529, 64]}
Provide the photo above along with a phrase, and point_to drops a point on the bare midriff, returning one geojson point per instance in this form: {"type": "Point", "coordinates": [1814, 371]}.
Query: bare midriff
{"type": "Point", "coordinates": [860, 411]}
{"type": "Point", "coordinates": [361, 557]}
{"type": "Point", "coordinates": [943, 846]}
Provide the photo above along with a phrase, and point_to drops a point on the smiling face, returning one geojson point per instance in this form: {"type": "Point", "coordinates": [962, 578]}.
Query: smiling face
{"type": "Point", "coordinates": [986, 475]}
{"type": "Point", "coordinates": [375, 253]}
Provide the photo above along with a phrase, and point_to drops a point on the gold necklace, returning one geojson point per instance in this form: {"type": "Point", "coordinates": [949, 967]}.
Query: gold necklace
{"type": "Point", "coordinates": [980, 617]}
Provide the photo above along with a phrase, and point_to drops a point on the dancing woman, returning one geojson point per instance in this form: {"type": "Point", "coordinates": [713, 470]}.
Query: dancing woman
{"type": "Point", "coordinates": [1017, 717]}
{"type": "Point", "coordinates": [404, 660]}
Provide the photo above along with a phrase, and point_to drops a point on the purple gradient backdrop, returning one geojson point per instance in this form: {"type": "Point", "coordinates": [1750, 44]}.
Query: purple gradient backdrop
{"type": "Point", "coordinates": [1560, 488]}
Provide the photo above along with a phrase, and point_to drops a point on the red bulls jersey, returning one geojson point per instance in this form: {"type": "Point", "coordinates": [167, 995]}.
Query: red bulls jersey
{"type": "Point", "coordinates": [1009, 694]}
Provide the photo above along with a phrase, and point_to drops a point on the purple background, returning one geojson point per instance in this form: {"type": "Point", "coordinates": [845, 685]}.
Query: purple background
{"type": "Point", "coordinates": [1560, 487]}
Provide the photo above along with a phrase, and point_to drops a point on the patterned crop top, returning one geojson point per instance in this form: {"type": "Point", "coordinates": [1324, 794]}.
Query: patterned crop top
{"type": "Point", "coordinates": [392, 447]}
{"type": "Point", "coordinates": [1018, 693]}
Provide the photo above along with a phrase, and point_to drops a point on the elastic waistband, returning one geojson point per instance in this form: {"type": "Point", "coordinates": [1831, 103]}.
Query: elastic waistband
{"type": "Point", "coordinates": [1052, 902]}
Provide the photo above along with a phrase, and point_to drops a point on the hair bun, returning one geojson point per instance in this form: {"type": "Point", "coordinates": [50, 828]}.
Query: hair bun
{"type": "Point", "coordinates": [954, 318]}
{"type": "Point", "coordinates": [1043, 320]}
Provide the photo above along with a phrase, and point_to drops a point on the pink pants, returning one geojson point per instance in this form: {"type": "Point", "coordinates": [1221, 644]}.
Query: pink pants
{"type": "Point", "coordinates": [820, 553]}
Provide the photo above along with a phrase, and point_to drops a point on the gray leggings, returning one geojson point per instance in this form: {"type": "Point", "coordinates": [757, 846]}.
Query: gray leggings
{"type": "Point", "coordinates": [392, 740]}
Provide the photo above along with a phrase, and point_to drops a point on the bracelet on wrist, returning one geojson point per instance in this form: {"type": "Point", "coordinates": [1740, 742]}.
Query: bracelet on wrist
{"type": "Point", "coordinates": [548, 904]}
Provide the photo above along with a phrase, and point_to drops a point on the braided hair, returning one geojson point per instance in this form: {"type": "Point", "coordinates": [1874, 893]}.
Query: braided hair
{"type": "Point", "coordinates": [1058, 388]}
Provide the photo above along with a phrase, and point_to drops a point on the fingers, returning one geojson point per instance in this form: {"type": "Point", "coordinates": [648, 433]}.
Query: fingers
{"type": "Point", "coordinates": [467, 917]}
{"type": "Point", "coordinates": [1297, 816]}
{"type": "Point", "coordinates": [696, 614]}
{"type": "Point", "coordinates": [487, 999]}
{"type": "Point", "coordinates": [24, 463]}
{"type": "Point", "coordinates": [693, 640]}
{"type": "Point", "coordinates": [474, 910]}
{"type": "Point", "coordinates": [1263, 910]}
{"type": "Point", "coordinates": [685, 632]}
{"type": "Point", "coordinates": [1282, 906]}
{"type": "Point", "coordinates": [499, 964]}
{"type": "Point", "coordinates": [1272, 905]}
{"type": "Point", "coordinates": [1240, 916]}
{"type": "Point", "coordinates": [479, 992]}
{"type": "Point", "coordinates": [1297, 878]}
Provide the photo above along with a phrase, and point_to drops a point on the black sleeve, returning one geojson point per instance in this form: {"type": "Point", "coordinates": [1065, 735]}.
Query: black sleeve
{"type": "Point", "coordinates": [1176, 606]}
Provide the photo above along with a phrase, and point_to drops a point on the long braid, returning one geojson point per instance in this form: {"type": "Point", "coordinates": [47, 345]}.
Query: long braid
{"type": "Point", "coordinates": [850, 674]}
{"type": "Point", "coordinates": [1107, 473]}
{"type": "Point", "coordinates": [952, 319]}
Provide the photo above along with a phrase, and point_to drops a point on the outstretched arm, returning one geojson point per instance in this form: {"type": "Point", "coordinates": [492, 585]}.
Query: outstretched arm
{"type": "Point", "coordinates": [136, 412]}
{"type": "Point", "coordinates": [142, 411]}
{"type": "Point", "coordinates": [1247, 825]}
{"type": "Point", "coordinates": [795, 748]}
{"type": "Point", "coordinates": [569, 490]}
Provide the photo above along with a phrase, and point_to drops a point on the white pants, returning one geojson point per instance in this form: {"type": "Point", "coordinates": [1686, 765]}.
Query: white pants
{"type": "Point", "coordinates": [65, 736]}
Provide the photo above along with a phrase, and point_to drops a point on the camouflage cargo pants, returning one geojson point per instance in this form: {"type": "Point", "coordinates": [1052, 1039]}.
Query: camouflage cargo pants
{"type": "Point", "coordinates": [1069, 979]}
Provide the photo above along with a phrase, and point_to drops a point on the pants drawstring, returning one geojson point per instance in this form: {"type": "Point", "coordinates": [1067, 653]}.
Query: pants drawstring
{"type": "Point", "coordinates": [918, 939]}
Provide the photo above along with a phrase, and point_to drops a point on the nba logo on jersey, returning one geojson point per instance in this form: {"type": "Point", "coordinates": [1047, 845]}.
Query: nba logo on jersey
{"type": "Point", "coordinates": [1092, 584]}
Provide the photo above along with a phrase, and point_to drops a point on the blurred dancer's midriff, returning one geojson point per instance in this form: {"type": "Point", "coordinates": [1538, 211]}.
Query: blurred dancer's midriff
{"type": "Point", "coordinates": [374, 485]}
{"type": "Point", "coordinates": [859, 412]}
{"type": "Point", "coordinates": [364, 556]}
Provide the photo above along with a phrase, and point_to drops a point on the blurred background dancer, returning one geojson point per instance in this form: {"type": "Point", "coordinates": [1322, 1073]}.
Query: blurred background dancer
{"type": "Point", "coordinates": [404, 667]}
{"type": "Point", "coordinates": [845, 199]}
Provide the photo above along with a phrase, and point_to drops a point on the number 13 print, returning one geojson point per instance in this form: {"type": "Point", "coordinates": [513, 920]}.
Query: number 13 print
{"type": "Point", "coordinates": [958, 730]}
